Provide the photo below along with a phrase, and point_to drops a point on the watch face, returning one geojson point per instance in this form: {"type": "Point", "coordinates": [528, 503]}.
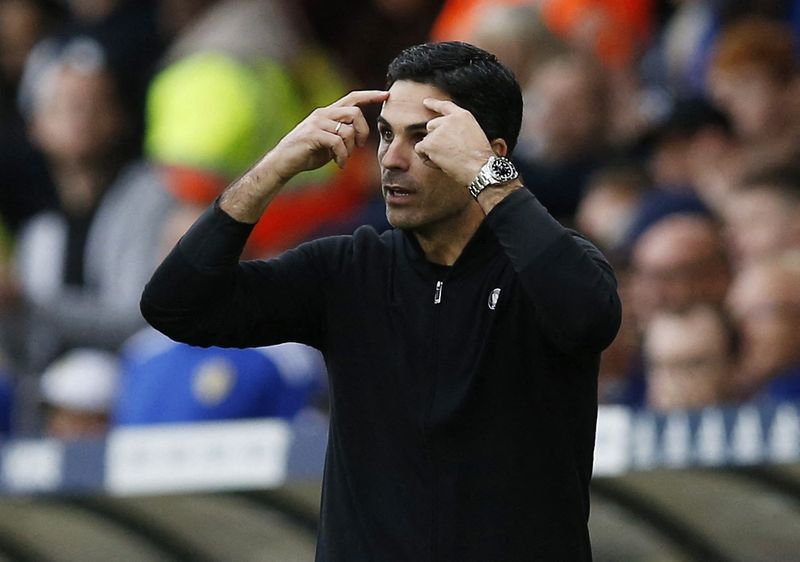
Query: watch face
{"type": "Point", "coordinates": [503, 170]}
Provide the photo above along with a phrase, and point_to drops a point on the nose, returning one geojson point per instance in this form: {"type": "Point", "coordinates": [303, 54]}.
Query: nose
{"type": "Point", "coordinates": [396, 156]}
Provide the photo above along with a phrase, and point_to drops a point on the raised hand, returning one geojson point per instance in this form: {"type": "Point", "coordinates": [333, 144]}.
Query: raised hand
{"type": "Point", "coordinates": [328, 133]}
{"type": "Point", "coordinates": [455, 141]}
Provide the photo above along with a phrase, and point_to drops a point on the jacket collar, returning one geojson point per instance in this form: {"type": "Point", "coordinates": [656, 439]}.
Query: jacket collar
{"type": "Point", "coordinates": [481, 247]}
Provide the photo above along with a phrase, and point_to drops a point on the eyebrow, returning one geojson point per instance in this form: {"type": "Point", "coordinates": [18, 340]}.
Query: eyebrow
{"type": "Point", "coordinates": [409, 128]}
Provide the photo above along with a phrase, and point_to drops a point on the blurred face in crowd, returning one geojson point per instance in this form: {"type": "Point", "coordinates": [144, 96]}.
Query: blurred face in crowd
{"type": "Point", "coordinates": [605, 213]}
{"type": "Point", "coordinates": [759, 223]}
{"type": "Point", "coordinates": [565, 109]}
{"type": "Point", "coordinates": [64, 423]}
{"type": "Point", "coordinates": [93, 9]}
{"type": "Point", "coordinates": [688, 355]}
{"type": "Point", "coordinates": [21, 25]}
{"type": "Point", "coordinates": [77, 116]}
{"type": "Point", "coordinates": [419, 196]}
{"type": "Point", "coordinates": [755, 100]}
{"type": "Point", "coordinates": [677, 263]}
{"type": "Point", "coordinates": [668, 163]}
{"type": "Point", "coordinates": [765, 303]}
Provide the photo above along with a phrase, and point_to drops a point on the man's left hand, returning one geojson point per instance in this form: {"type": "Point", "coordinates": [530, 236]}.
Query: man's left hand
{"type": "Point", "coordinates": [455, 142]}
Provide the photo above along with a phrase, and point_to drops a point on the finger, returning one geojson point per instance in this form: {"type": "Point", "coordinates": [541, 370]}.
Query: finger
{"type": "Point", "coordinates": [354, 117]}
{"type": "Point", "coordinates": [445, 107]}
{"type": "Point", "coordinates": [361, 97]}
{"type": "Point", "coordinates": [336, 145]}
{"type": "Point", "coordinates": [433, 123]}
{"type": "Point", "coordinates": [348, 134]}
{"type": "Point", "coordinates": [422, 150]}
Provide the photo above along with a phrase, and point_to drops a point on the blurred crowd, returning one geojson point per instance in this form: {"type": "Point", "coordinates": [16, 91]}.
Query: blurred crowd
{"type": "Point", "coordinates": [666, 131]}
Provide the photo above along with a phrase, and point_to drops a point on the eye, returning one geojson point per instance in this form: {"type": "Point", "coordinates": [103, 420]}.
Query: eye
{"type": "Point", "coordinates": [386, 134]}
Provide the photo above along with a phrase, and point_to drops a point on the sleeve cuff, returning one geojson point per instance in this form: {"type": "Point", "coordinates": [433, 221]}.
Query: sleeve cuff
{"type": "Point", "coordinates": [524, 227]}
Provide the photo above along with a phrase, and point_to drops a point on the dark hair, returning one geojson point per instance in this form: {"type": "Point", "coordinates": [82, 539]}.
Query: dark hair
{"type": "Point", "coordinates": [473, 78]}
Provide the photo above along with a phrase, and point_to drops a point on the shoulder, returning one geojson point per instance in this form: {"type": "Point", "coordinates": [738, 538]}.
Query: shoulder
{"type": "Point", "coordinates": [339, 251]}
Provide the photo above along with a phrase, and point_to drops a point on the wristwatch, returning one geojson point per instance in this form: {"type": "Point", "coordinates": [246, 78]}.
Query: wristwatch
{"type": "Point", "coordinates": [496, 171]}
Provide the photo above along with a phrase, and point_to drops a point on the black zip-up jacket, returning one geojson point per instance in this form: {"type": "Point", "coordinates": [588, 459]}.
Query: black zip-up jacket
{"type": "Point", "coordinates": [463, 398]}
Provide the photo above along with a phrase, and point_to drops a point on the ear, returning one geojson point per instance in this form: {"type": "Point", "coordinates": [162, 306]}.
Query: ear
{"type": "Point", "coordinates": [499, 147]}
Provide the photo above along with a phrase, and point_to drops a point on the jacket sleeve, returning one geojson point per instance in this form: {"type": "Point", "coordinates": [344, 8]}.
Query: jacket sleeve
{"type": "Point", "coordinates": [201, 294]}
{"type": "Point", "coordinates": [568, 281]}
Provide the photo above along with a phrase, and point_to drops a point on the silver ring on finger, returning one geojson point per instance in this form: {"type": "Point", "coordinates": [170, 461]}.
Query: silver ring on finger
{"type": "Point", "coordinates": [338, 126]}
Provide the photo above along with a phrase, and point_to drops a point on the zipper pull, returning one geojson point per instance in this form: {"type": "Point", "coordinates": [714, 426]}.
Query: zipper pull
{"type": "Point", "coordinates": [437, 296]}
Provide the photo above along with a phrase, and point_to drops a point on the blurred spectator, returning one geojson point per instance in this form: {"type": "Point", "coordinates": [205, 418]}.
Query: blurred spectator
{"type": "Point", "coordinates": [82, 267]}
{"type": "Point", "coordinates": [22, 24]}
{"type": "Point", "coordinates": [765, 303]}
{"type": "Point", "coordinates": [518, 37]}
{"type": "Point", "coordinates": [688, 355]}
{"type": "Point", "coordinates": [610, 204]}
{"type": "Point", "coordinates": [365, 35]}
{"type": "Point", "coordinates": [164, 381]}
{"type": "Point", "coordinates": [688, 144]}
{"type": "Point", "coordinates": [24, 187]}
{"type": "Point", "coordinates": [657, 204]}
{"type": "Point", "coordinates": [128, 32]}
{"type": "Point", "coordinates": [614, 31]}
{"type": "Point", "coordinates": [247, 30]}
{"type": "Point", "coordinates": [678, 262]}
{"type": "Point", "coordinates": [605, 214]}
{"type": "Point", "coordinates": [230, 91]}
{"type": "Point", "coordinates": [611, 32]}
{"type": "Point", "coordinates": [762, 214]}
{"type": "Point", "coordinates": [679, 60]}
{"type": "Point", "coordinates": [77, 391]}
{"type": "Point", "coordinates": [564, 132]}
{"type": "Point", "coordinates": [753, 76]}
{"type": "Point", "coordinates": [682, 52]}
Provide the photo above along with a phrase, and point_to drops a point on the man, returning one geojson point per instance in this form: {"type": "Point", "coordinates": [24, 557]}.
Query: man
{"type": "Point", "coordinates": [764, 302]}
{"type": "Point", "coordinates": [81, 266]}
{"type": "Point", "coordinates": [762, 214]}
{"type": "Point", "coordinates": [689, 355]}
{"type": "Point", "coordinates": [77, 393]}
{"type": "Point", "coordinates": [678, 262]}
{"type": "Point", "coordinates": [753, 77]}
{"type": "Point", "coordinates": [462, 346]}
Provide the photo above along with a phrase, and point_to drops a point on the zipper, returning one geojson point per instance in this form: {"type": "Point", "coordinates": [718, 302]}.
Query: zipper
{"type": "Point", "coordinates": [432, 458]}
{"type": "Point", "coordinates": [437, 295]}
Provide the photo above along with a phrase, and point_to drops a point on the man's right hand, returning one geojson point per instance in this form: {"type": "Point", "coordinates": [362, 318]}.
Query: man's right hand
{"type": "Point", "coordinates": [328, 133]}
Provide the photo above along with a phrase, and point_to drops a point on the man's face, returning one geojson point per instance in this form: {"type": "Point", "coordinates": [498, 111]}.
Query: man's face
{"type": "Point", "coordinates": [688, 356]}
{"type": "Point", "coordinates": [563, 112]}
{"type": "Point", "coordinates": [418, 195]}
{"type": "Point", "coordinates": [677, 263]}
{"type": "Point", "coordinates": [764, 301]}
{"type": "Point", "coordinates": [80, 118]}
{"type": "Point", "coordinates": [753, 99]}
{"type": "Point", "coordinates": [759, 222]}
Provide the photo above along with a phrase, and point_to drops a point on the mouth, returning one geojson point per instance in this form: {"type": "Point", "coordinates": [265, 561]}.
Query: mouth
{"type": "Point", "coordinates": [396, 192]}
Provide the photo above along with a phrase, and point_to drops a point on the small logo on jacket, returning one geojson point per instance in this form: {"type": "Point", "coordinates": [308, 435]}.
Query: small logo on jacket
{"type": "Point", "coordinates": [494, 296]}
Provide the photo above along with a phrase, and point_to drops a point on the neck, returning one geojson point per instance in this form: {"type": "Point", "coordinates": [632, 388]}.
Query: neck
{"type": "Point", "coordinates": [79, 186]}
{"type": "Point", "coordinates": [443, 243]}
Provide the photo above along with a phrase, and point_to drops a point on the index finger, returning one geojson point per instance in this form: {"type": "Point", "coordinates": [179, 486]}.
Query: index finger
{"type": "Point", "coordinates": [361, 97]}
{"type": "Point", "coordinates": [445, 107]}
